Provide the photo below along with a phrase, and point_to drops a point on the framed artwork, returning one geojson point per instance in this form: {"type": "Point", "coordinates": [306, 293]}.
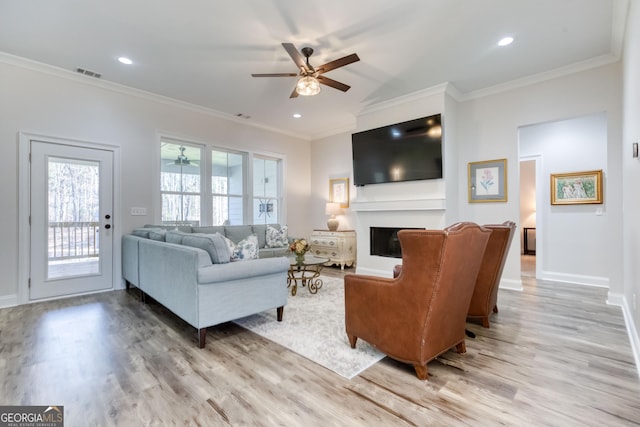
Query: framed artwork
{"type": "Point", "coordinates": [339, 191]}
{"type": "Point", "coordinates": [487, 181]}
{"type": "Point", "coordinates": [576, 188]}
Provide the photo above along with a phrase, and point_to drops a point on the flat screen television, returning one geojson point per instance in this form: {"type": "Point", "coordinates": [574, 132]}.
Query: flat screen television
{"type": "Point", "coordinates": [406, 151]}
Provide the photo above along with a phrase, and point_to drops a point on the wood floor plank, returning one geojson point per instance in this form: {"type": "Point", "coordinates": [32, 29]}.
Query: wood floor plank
{"type": "Point", "coordinates": [555, 354]}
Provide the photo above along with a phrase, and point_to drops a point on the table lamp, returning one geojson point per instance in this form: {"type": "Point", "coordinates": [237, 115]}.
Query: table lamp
{"type": "Point", "coordinates": [333, 209]}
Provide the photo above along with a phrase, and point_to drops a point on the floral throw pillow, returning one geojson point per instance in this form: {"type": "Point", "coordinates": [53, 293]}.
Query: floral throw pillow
{"type": "Point", "coordinates": [277, 238]}
{"type": "Point", "coordinates": [245, 249]}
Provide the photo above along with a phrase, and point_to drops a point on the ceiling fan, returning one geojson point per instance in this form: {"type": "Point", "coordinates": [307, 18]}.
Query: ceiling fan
{"type": "Point", "coordinates": [182, 159]}
{"type": "Point", "coordinates": [311, 77]}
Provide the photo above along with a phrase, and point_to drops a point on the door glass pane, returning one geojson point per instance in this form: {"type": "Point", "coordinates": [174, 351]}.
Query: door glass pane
{"type": "Point", "coordinates": [73, 215]}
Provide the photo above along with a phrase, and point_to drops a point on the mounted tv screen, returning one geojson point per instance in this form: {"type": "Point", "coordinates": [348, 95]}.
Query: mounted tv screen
{"type": "Point", "coordinates": [405, 151]}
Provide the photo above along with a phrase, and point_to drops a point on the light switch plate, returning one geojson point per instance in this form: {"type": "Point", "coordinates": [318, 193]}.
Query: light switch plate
{"type": "Point", "coordinates": [138, 211]}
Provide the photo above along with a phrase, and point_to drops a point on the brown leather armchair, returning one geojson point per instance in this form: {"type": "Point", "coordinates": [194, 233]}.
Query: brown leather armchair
{"type": "Point", "coordinates": [421, 313]}
{"type": "Point", "coordinates": [485, 294]}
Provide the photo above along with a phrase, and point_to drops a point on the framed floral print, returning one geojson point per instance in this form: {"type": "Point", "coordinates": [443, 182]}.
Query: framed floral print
{"type": "Point", "coordinates": [339, 191]}
{"type": "Point", "coordinates": [487, 181]}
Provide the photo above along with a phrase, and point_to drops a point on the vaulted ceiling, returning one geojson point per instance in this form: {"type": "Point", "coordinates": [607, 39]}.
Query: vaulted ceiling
{"type": "Point", "coordinates": [203, 52]}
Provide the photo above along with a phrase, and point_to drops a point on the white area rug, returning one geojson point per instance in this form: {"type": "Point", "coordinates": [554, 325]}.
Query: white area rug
{"type": "Point", "coordinates": [313, 326]}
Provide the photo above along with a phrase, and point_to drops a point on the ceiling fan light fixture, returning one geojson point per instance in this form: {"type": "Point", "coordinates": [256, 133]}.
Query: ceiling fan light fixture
{"type": "Point", "coordinates": [308, 86]}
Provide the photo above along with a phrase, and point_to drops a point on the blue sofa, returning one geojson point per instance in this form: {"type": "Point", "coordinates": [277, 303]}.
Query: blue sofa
{"type": "Point", "coordinates": [199, 284]}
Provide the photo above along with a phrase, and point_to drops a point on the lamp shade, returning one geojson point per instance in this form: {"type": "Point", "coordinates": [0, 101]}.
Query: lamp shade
{"type": "Point", "coordinates": [332, 209]}
{"type": "Point", "coordinates": [308, 86]}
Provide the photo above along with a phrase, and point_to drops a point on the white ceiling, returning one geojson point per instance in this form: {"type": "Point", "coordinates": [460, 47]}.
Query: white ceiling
{"type": "Point", "coordinates": [204, 51]}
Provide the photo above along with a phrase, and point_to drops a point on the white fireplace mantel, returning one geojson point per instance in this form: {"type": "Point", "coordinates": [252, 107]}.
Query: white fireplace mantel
{"type": "Point", "coordinates": [399, 205]}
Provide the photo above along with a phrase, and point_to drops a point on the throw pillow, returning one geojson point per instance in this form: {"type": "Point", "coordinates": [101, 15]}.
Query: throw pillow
{"type": "Point", "coordinates": [175, 236]}
{"type": "Point", "coordinates": [157, 234]}
{"type": "Point", "coordinates": [245, 249]}
{"type": "Point", "coordinates": [277, 238]}
{"type": "Point", "coordinates": [141, 232]}
{"type": "Point", "coordinates": [214, 244]}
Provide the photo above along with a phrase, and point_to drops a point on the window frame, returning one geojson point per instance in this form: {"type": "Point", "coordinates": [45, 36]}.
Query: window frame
{"type": "Point", "coordinates": [206, 168]}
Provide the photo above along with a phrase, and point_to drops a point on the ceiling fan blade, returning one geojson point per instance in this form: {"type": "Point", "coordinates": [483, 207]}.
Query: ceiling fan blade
{"type": "Point", "coordinates": [295, 55]}
{"type": "Point", "coordinates": [334, 84]}
{"type": "Point", "coordinates": [346, 60]}
{"type": "Point", "coordinates": [294, 94]}
{"type": "Point", "coordinates": [275, 75]}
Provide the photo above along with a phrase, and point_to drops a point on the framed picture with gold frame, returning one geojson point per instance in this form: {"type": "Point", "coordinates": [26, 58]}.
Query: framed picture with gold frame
{"type": "Point", "coordinates": [487, 181]}
{"type": "Point", "coordinates": [576, 188]}
{"type": "Point", "coordinates": [339, 191]}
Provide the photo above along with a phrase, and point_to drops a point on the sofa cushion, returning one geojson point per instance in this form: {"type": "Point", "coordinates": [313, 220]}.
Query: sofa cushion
{"type": "Point", "coordinates": [175, 236]}
{"type": "Point", "coordinates": [185, 228]}
{"type": "Point", "coordinates": [214, 244]}
{"type": "Point", "coordinates": [141, 232]}
{"type": "Point", "coordinates": [157, 234]}
{"type": "Point", "coordinates": [277, 238]}
{"type": "Point", "coordinates": [245, 249]}
{"type": "Point", "coordinates": [209, 230]}
{"type": "Point", "coordinates": [260, 230]}
{"type": "Point", "coordinates": [236, 233]}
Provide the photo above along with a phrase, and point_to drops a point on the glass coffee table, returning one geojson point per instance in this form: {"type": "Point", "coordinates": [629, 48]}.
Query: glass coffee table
{"type": "Point", "coordinates": [306, 273]}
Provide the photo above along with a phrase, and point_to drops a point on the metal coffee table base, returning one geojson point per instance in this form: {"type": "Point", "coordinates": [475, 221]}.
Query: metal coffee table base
{"type": "Point", "coordinates": [306, 275]}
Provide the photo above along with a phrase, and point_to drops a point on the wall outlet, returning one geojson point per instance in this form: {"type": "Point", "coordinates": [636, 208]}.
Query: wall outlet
{"type": "Point", "coordinates": [138, 211]}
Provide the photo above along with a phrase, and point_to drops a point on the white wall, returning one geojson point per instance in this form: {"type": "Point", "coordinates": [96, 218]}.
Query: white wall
{"type": "Point", "coordinates": [631, 170]}
{"type": "Point", "coordinates": [571, 235]}
{"type": "Point", "coordinates": [488, 129]}
{"type": "Point", "coordinates": [37, 99]}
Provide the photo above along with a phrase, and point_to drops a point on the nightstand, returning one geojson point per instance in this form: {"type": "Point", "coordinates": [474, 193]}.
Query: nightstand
{"type": "Point", "coordinates": [338, 246]}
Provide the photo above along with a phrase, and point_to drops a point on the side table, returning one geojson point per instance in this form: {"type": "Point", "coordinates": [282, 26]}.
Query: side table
{"type": "Point", "coordinates": [338, 246]}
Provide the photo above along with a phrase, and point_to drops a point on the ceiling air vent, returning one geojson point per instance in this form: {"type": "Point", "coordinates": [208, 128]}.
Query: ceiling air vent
{"type": "Point", "coordinates": [89, 73]}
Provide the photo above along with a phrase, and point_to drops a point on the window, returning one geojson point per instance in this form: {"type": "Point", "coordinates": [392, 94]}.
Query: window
{"type": "Point", "coordinates": [227, 187]}
{"type": "Point", "coordinates": [266, 190]}
{"type": "Point", "coordinates": [180, 183]}
{"type": "Point", "coordinates": [242, 189]}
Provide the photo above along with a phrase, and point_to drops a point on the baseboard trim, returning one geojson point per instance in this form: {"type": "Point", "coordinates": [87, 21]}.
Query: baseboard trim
{"type": "Point", "coordinates": [511, 284]}
{"type": "Point", "coordinates": [7, 301]}
{"type": "Point", "coordinates": [620, 301]}
{"type": "Point", "coordinates": [577, 279]}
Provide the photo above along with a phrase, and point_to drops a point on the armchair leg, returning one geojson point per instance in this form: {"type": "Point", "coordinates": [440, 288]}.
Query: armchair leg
{"type": "Point", "coordinates": [421, 372]}
{"type": "Point", "coordinates": [279, 312]}
{"type": "Point", "coordinates": [485, 322]}
{"type": "Point", "coordinates": [202, 337]}
{"type": "Point", "coordinates": [352, 340]}
{"type": "Point", "coordinates": [461, 347]}
{"type": "Point", "coordinates": [495, 309]}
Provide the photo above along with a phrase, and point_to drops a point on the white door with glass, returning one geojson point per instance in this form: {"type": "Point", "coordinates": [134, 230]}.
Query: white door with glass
{"type": "Point", "coordinates": [71, 220]}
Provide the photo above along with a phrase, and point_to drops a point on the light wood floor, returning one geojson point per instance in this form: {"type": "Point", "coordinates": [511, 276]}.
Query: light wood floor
{"type": "Point", "coordinates": [556, 355]}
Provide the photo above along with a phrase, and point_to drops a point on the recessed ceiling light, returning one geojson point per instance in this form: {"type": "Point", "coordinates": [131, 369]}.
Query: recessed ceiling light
{"type": "Point", "coordinates": [125, 60]}
{"type": "Point", "coordinates": [297, 115]}
{"type": "Point", "coordinates": [505, 41]}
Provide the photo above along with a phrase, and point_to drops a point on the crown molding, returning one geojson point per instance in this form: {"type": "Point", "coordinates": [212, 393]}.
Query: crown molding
{"type": "Point", "coordinates": [403, 99]}
{"type": "Point", "coordinates": [51, 70]}
{"type": "Point", "coordinates": [541, 77]}
{"type": "Point", "coordinates": [619, 26]}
